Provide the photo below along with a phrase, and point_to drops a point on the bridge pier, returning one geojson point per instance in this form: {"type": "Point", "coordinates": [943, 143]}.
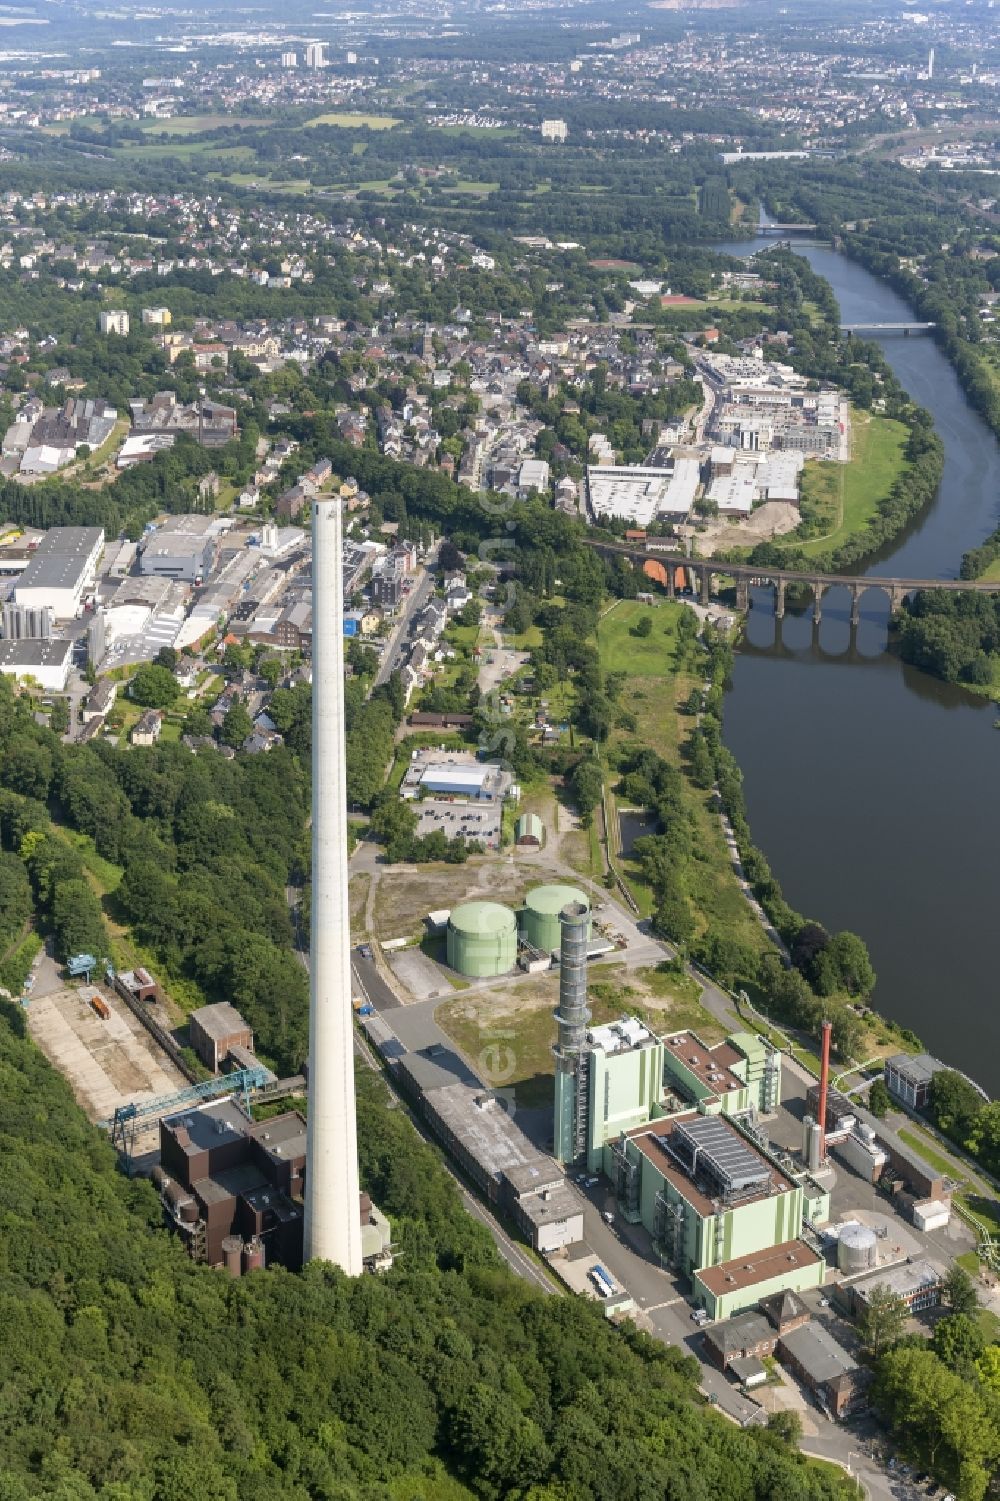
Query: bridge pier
{"type": "Point", "coordinates": [671, 581]}
{"type": "Point", "coordinates": [818, 591]}
{"type": "Point", "coordinates": [742, 594]}
{"type": "Point", "coordinates": [856, 605]}
{"type": "Point", "coordinates": [897, 595]}
{"type": "Point", "coordinates": [779, 599]}
{"type": "Point", "coordinates": [706, 586]}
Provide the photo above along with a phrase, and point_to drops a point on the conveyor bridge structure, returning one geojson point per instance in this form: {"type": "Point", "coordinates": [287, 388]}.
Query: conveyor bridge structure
{"type": "Point", "coordinates": [127, 1120]}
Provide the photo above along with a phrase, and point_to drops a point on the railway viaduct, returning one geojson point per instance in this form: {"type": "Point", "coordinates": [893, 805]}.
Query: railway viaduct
{"type": "Point", "coordinates": [702, 571]}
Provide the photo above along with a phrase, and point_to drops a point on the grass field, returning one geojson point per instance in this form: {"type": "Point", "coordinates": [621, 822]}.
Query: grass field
{"type": "Point", "coordinates": [251, 180]}
{"type": "Point", "coordinates": [654, 692]}
{"type": "Point", "coordinates": [184, 125]}
{"type": "Point", "coordinates": [508, 1035]}
{"type": "Point", "coordinates": [349, 121]}
{"type": "Point", "coordinates": [152, 151]}
{"type": "Point", "coordinates": [473, 189]}
{"type": "Point", "coordinates": [843, 497]}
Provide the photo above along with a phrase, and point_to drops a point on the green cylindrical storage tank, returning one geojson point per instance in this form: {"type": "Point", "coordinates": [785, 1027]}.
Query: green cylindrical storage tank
{"type": "Point", "coordinates": [482, 939]}
{"type": "Point", "coordinates": [540, 919]}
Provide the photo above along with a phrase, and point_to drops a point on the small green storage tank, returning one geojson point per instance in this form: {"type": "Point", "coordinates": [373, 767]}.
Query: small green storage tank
{"type": "Point", "coordinates": [482, 939]}
{"type": "Point", "coordinates": [540, 919]}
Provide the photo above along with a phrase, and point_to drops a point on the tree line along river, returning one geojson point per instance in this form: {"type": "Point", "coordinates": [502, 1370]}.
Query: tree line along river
{"type": "Point", "coordinates": [871, 787]}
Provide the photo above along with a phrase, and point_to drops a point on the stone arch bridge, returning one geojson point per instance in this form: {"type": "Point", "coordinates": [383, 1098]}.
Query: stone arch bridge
{"type": "Point", "coordinates": [701, 571]}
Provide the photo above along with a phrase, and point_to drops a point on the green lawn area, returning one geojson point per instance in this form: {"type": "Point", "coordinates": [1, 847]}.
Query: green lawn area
{"type": "Point", "coordinates": [986, 1212]}
{"type": "Point", "coordinates": [184, 125]}
{"type": "Point", "coordinates": [251, 180]}
{"type": "Point", "coordinates": [654, 693]}
{"type": "Point", "coordinates": [509, 1036]}
{"type": "Point", "coordinates": [350, 121]}
{"type": "Point", "coordinates": [104, 873]}
{"type": "Point", "coordinates": [738, 304]}
{"type": "Point", "coordinates": [843, 497]}
{"type": "Point", "coordinates": [473, 189]}
{"type": "Point", "coordinates": [639, 656]}
{"type": "Point", "coordinates": [231, 156]}
{"type": "Point", "coordinates": [495, 132]}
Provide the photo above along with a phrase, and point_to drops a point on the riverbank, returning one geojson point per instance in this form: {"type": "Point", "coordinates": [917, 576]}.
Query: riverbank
{"type": "Point", "coordinates": [699, 879]}
{"type": "Point", "coordinates": [865, 779]}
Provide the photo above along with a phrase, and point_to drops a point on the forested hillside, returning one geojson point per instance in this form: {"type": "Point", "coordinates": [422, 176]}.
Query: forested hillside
{"type": "Point", "coordinates": [129, 1374]}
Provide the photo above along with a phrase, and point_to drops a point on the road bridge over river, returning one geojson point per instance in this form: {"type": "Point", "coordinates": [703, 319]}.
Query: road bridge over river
{"type": "Point", "coordinates": [700, 573]}
{"type": "Point", "coordinates": [907, 328]}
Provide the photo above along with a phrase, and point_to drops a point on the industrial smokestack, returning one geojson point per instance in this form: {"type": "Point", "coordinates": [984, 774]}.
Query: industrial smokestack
{"type": "Point", "coordinates": [571, 1018]}
{"type": "Point", "coordinates": [824, 1079]}
{"type": "Point", "coordinates": [332, 1229]}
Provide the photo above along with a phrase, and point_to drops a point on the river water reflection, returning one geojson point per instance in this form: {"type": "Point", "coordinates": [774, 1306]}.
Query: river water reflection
{"type": "Point", "coordinates": [872, 788]}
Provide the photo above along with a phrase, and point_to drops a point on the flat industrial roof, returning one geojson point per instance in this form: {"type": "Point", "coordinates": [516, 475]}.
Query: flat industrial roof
{"type": "Point", "coordinates": [712, 1067]}
{"type": "Point", "coordinates": [30, 653]}
{"type": "Point", "coordinates": [61, 557]}
{"type": "Point", "coordinates": [220, 1020]}
{"type": "Point", "coordinates": [203, 1126]}
{"type": "Point", "coordinates": [434, 1068]}
{"type": "Point", "coordinates": [241, 1179]}
{"type": "Point", "coordinates": [455, 776]}
{"type": "Point", "coordinates": [621, 1036]}
{"type": "Point", "coordinates": [648, 1139]}
{"type": "Point", "coordinates": [761, 1266]}
{"type": "Point", "coordinates": [283, 1135]}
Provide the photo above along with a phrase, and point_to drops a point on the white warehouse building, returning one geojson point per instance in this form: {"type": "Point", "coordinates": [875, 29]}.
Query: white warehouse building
{"type": "Point", "coordinates": [61, 570]}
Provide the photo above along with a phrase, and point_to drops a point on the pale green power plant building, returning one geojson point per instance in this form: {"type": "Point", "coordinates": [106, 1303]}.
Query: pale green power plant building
{"type": "Point", "coordinates": [482, 939]}
{"type": "Point", "coordinates": [674, 1124]}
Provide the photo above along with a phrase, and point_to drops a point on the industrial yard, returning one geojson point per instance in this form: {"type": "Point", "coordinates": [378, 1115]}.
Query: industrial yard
{"type": "Point", "coordinates": [108, 1061]}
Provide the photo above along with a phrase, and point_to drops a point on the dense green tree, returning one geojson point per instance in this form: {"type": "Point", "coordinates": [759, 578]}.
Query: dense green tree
{"type": "Point", "coordinates": [236, 724]}
{"type": "Point", "coordinates": [77, 920]}
{"type": "Point", "coordinates": [154, 686]}
{"type": "Point", "coordinates": [879, 1099]}
{"type": "Point", "coordinates": [960, 1291]}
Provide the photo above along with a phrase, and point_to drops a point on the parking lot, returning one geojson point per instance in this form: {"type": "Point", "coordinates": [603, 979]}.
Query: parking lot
{"type": "Point", "coordinates": [461, 820]}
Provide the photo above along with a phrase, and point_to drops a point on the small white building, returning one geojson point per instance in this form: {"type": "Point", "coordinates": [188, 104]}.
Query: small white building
{"type": "Point", "coordinates": [554, 130]}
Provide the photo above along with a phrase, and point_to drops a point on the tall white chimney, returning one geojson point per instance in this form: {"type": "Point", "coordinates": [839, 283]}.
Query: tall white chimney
{"type": "Point", "coordinates": [332, 1191]}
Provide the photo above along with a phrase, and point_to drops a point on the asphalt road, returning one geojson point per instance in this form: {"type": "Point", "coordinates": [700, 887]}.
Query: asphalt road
{"type": "Point", "coordinates": [413, 604]}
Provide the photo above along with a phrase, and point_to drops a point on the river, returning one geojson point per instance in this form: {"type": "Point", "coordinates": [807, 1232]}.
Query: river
{"type": "Point", "coordinates": [871, 787]}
